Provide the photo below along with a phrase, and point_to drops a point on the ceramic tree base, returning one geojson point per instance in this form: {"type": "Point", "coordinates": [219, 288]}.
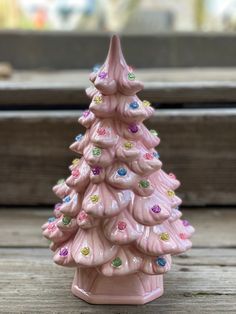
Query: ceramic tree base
{"type": "Point", "coordinates": [95, 288]}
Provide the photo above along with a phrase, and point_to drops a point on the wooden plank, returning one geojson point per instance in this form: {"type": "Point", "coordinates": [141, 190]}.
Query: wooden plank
{"type": "Point", "coordinates": [71, 50]}
{"type": "Point", "coordinates": [198, 145]}
{"type": "Point", "coordinates": [214, 228]}
{"type": "Point", "coordinates": [31, 283]}
{"type": "Point", "coordinates": [165, 86]}
{"type": "Point", "coordinates": [201, 281]}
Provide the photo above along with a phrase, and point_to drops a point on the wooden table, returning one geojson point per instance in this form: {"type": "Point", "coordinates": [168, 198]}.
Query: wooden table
{"type": "Point", "coordinates": [201, 281]}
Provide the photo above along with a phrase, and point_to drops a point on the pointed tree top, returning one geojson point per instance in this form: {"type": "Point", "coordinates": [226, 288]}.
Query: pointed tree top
{"type": "Point", "coordinates": [115, 54]}
{"type": "Point", "coordinates": [115, 75]}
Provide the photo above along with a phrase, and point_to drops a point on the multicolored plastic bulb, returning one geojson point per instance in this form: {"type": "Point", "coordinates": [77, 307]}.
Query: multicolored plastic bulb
{"type": "Point", "coordinates": [164, 236]}
{"type": "Point", "coordinates": [154, 132]}
{"type": "Point", "coordinates": [63, 252]}
{"type": "Point", "coordinates": [148, 156]}
{"type": "Point", "coordinates": [85, 251]}
{"type": "Point", "coordinates": [52, 227]}
{"type": "Point", "coordinates": [146, 103]}
{"type": "Point", "coordinates": [94, 198]}
{"type": "Point", "coordinates": [128, 145]}
{"type": "Point", "coordinates": [98, 100]}
{"type": "Point", "coordinates": [51, 219]}
{"type": "Point", "coordinates": [96, 151]}
{"type": "Point", "coordinates": [101, 131]}
{"type": "Point", "coordinates": [122, 172]}
{"type": "Point", "coordinates": [172, 175]}
{"type": "Point", "coordinates": [75, 173]}
{"type": "Point", "coordinates": [96, 170]}
{"type": "Point", "coordinates": [83, 216]}
{"type": "Point", "coordinates": [86, 113]}
{"type": "Point", "coordinates": [96, 67]}
{"type": "Point", "coordinates": [131, 76]}
{"type": "Point", "coordinates": [67, 199]}
{"type": "Point", "coordinates": [156, 209]}
{"type": "Point", "coordinates": [57, 206]}
{"type": "Point", "coordinates": [170, 193]}
{"type": "Point", "coordinates": [144, 184]}
{"type": "Point", "coordinates": [121, 225]}
{"type": "Point", "coordinates": [161, 261]}
{"type": "Point", "coordinates": [66, 220]}
{"type": "Point", "coordinates": [102, 75]}
{"type": "Point", "coordinates": [183, 236]}
{"type": "Point", "coordinates": [60, 181]}
{"type": "Point", "coordinates": [134, 105]}
{"type": "Point", "coordinates": [156, 155]}
{"type": "Point", "coordinates": [117, 262]}
{"type": "Point", "coordinates": [133, 128]}
{"type": "Point", "coordinates": [185, 223]}
{"type": "Point", "coordinates": [79, 137]}
{"type": "Point", "coordinates": [75, 161]}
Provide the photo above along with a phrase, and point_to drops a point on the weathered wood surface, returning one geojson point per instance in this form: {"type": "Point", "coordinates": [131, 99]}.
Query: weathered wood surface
{"type": "Point", "coordinates": [71, 50]}
{"type": "Point", "coordinates": [30, 283]}
{"type": "Point", "coordinates": [214, 227]}
{"type": "Point", "coordinates": [175, 86]}
{"type": "Point", "coordinates": [198, 145]}
{"type": "Point", "coordinates": [200, 281]}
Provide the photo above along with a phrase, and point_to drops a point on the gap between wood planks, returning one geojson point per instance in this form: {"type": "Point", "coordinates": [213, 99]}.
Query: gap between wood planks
{"type": "Point", "coordinates": [201, 280]}
{"type": "Point", "coordinates": [189, 148]}
{"type": "Point", "coordinates": [176, 85]}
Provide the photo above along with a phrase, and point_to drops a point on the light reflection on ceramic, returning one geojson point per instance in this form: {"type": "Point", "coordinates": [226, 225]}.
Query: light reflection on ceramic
{"type": "Point", "coordinates": [119, 221]}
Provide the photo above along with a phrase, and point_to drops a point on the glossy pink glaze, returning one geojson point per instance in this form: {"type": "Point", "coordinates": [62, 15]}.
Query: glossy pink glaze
{"type": "Point", "coordinates": [118, 221]}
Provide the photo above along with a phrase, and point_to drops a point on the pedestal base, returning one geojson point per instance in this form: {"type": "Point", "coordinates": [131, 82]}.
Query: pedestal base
{"type": "Point", "coordinates": [95, 288]}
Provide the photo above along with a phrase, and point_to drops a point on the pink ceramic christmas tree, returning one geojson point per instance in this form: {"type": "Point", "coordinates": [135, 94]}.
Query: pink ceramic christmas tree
{"type": "Point", "coordinates": [118, 222]}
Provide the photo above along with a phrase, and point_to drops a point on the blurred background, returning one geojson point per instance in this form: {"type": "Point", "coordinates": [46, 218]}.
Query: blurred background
{"type": "Point", "coordinates": [126, 16]}
{"type": "Point", "coordinates": [185, 53]}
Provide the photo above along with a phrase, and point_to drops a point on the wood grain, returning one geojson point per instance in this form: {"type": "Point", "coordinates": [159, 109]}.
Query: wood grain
{"type": "Point", "coordinates": [72, 50]}
{"type": "Point", "coordinates": [214, 227]}
{"type": "Point", "coordinates": [31, 283]}
{"type": "Point", "coordinates": [198, 145]}
{"type": "Point", "coordinates": [201, 280]}
{"type": "Point", "coordinates": [167, 86]}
